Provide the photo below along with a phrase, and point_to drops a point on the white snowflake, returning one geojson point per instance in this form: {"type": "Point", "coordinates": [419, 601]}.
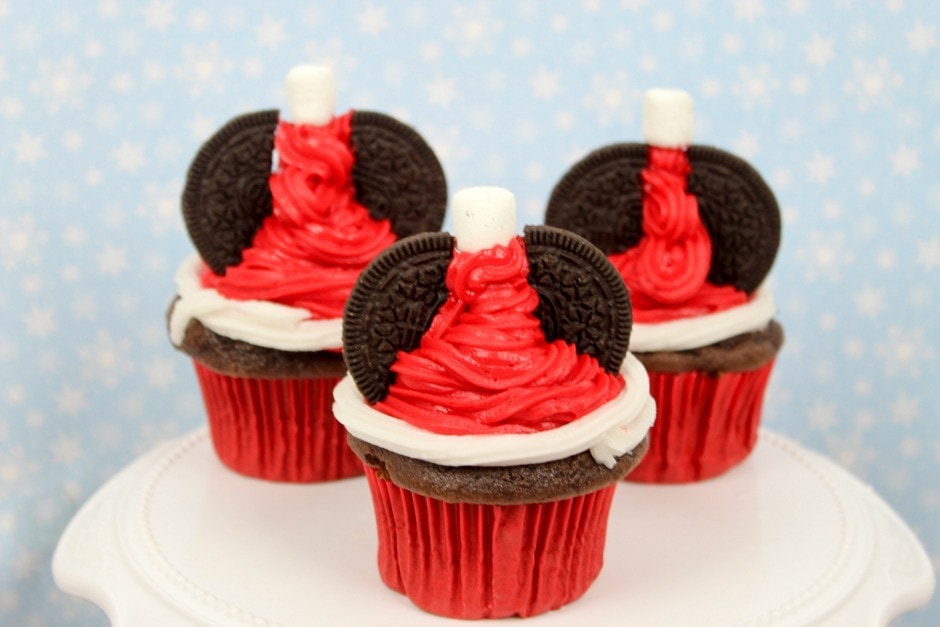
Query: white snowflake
{"type": "Point", "coordinates": [634, 5]}
{"type": "Point", "coordinates": [525, 130]}
{"type": "Point", "coordinates": [732, 44]}
{"type": "Point", "coordinates": [160, 208]}
{"type": "Point", "coordinates": [481, 117]}
{"type": "Point", "coordinates": [928, 253]}
{"type": "Point", "coordinates": [825, 256]}
{"type": "Point", "coordinates": [873, 83]}
{"type": "Point", "coordinates": [473, 29]}
{"type": "Point", "coordinates": [22, 242]}
{"type": "Point", "coordinates": [11, 108]}
{"type": "Point", "coordinates": [271, 33]}
{"type": "Point", "coordinates": [614, 100]}
{"type": "Point", "coordinates": [905, 410]}
{"type": "Point", "coordinates": [870, 301]}
{"type": "Point", "coordinates": [40, 322]}
{"type": "Point", "coordinates": [546, 84]}
{"type": "Point", "coordinates": [204, 69]}
{"type": "Point", "coordinates": [648, 63]}
{"type": "Point", "coordinates": [447, 142]}
{"type": "Point", "coordinates": [692, 48]}
{"type": "Point", "coordinates": [130, 42]}
{"type": "Point", "coordinates": [904, 351]}
{"type": "Point", "coordinates": [521, 47]}
{"type": "Point", "coordinates": [822, 416]}
{"type": "Point", "coordinates": [29, 148]}
{"type": "Point", "coordinates": [564, 120]}
{"type": "Point", "coordinates": [442, 90]}
{"type": "Point", "coordinates": [854, 348]}
{"type": "Point", "coordinates": [108, 436]}
{"type": "Point", "coordinates": [106, 360]}
{"type": "Point", "coordinates": [851, 452]}
{"type": "Point", "coordinates": [818, 51]}
{"type": "Point", "coordinates": [129, 157]}
{"type": "Point", "coordinates": [922, 38]}
{"type": "Point", "coordinates": [112, 260]}
{"type": "Point", "coordinates": [26, 37]}
{"type": "Point", "coordinates": [67, 449]}
{"type": "Point", "coordinates": [905, 160]}
{"type": "Point", "coordinates": [198, 20]}
{"type": "Point", "coordinates": [747, 145]}
{"type": "Point", "coordinates": [820, 168]}
{"type": "Point", "coordinates": [331, 51]}
{"type": "Point", "coordinates": [748, 10]}
{"type": "Point", "coordinates": [372, 20]}
{"type": "Point", "coordinates": [70, 401]}
{"type": "Point", "coordinates": [886, 259]}
{"type": "Point", "coordinates": [911, 448]}
{"type": "Point", "coordinates": [15, 394]}
{"type": "Point", "coordinates": [756, 86]}
{"type": "Point", "coordinates": [161, 372]}
{"type": "Point", "coordinates": [158, 14]}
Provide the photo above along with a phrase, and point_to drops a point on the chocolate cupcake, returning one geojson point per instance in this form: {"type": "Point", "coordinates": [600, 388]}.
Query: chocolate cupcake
{"type": "Point", "coordinates": [493, 402]}
{"type": "Point", "coordinates": [693, 231]}
{"type": "Point", "coordinates": [259, 308]}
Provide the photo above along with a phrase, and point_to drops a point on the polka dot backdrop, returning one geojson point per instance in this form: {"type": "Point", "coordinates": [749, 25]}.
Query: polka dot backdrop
{"type": "Point", "coordinates": [103, 104]}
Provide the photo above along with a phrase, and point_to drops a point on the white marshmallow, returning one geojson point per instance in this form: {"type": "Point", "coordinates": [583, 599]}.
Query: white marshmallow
{"type": "Point", "coordinates": [667, 118]}
{"type": "Point", "coordinates": [483, 217]}
{"type": "Point", "coordinates": [311, 94]}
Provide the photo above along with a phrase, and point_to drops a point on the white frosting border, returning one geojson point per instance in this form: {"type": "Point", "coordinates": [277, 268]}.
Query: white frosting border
{"type": "Point", "coordinates": [689, 333]}
{"type": "Point", "coordinates": [257, 322]}
{"type": "Point", "coordinates": [608, 432]}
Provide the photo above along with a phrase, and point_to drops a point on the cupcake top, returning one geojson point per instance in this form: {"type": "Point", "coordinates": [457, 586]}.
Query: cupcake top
{"type": "Point", "coordinates": [490, 349]}
{"type": "Point", "coordinates": [694, 233]}
{"type": "Point", "coordinates": [279, 252]}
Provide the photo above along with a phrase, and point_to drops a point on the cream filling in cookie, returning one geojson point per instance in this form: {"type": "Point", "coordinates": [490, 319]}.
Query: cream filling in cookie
{"type": "Point", "coordinates": [609, 431]}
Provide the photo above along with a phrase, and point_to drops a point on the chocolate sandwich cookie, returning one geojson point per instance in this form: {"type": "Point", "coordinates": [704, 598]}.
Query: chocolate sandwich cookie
{"type": "Point", "coordinates": [226, 198]}
{"type": "Point", "coordinates": [601, 199]}
{"type": "Point", "coordinates": [582, 300]}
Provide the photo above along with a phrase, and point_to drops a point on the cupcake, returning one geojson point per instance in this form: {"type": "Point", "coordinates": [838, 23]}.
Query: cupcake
{"type": "Point", "coordinates": [259, 307]}
{"type": "Point", "coordinates": [693, 231]}
{"type": "Point", "coordinates": [495, 407]}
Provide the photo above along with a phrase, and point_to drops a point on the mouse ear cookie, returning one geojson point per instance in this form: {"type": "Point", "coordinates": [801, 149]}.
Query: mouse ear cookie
{"type": "Point", "coordinates": [391, 306]}
{"type": "Point", "coordinates": [601, 199]}
{"type": "Point", "coordinates": [582, 300]}
{"type": "Point", "coordinates": [396, 175]}
{"type": "Point", "coordinates": [226, 196]}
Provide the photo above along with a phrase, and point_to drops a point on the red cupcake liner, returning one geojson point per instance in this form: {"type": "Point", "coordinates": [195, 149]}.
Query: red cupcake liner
{"type": "Point", "coordinates": [277, 429]}
{"type": "Point", "coordinates": [705, 424]}
{"type": "Point", "coordinates": [488, 561]}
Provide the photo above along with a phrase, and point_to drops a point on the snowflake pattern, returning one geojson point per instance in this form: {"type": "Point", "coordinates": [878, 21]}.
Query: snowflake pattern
{"type": "Point", "coordinates": [103, 104]}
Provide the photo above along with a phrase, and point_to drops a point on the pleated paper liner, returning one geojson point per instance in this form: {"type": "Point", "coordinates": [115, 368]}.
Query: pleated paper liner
{"type": "Point", "coordinates": [705, 424]}
{"type": "Point", "coordinates": [277, 429]}
{"type": "Point", "coordinates": [475, 561]}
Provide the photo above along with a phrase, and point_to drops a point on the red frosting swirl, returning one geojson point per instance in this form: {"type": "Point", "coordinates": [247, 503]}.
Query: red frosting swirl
{"type": "Point", "coordinates": [309, 252]}
{"type": "Point", "coordinates": [667, 271]}
{"type": "Point", "coordinates": [484, 365]}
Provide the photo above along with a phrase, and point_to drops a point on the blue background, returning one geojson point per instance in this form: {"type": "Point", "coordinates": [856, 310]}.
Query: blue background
{"type": "Point", "coordinates": [102, 106]}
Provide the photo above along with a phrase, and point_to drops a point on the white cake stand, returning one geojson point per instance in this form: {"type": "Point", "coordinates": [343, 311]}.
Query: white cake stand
{"type": "Point", "coordinates": [786, 538]}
